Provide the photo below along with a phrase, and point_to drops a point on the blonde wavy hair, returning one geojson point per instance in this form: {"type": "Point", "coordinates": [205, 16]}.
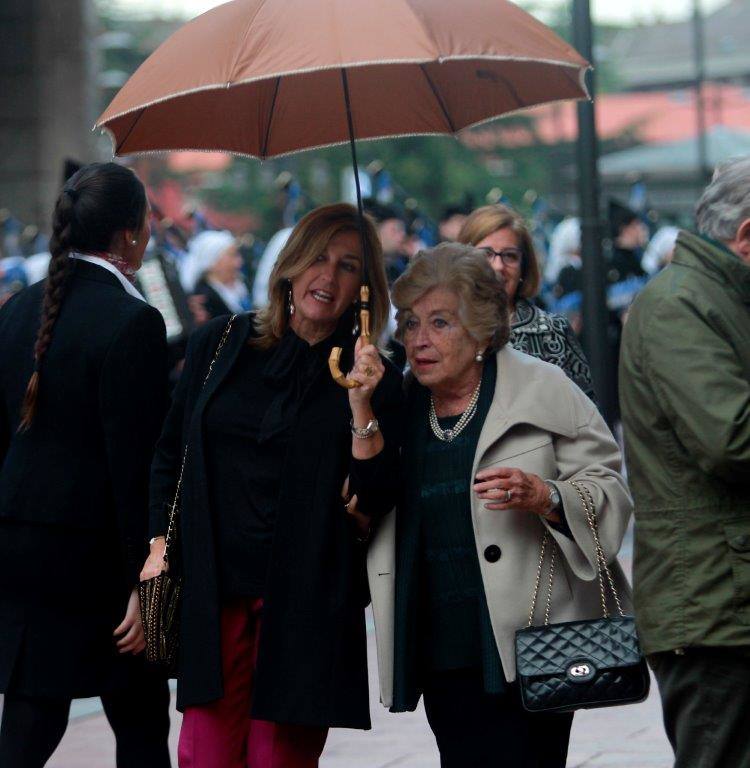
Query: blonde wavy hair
{"type": "Point", "coordinates": [308, 240]}
{"type": "Point", "coordinates": [488, 219]}
{"type": "Point", "coordinates": [482, 301]}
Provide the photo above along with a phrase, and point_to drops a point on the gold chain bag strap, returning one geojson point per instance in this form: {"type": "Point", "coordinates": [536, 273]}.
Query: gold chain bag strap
{"type": "Point", "coordinates": [160, 596]}
{"type": "Point", "coordinates": [580, 664]}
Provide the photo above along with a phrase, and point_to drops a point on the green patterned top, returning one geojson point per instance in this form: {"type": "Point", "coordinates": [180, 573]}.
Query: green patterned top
{"type": "Point", "coordinates": [455, 628]}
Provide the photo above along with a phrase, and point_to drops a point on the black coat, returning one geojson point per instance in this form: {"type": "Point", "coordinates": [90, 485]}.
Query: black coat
{"type": "Point", "coordinates": [312, 661]}
{"type": "Point", "coordinates": [78, 477]}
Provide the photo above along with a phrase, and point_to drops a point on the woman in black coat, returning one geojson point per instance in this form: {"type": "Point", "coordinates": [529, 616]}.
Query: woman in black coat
{"type": "Point", "coordinates": [272, 636]}
{"type": "Point", "coordinates": [82, 398]}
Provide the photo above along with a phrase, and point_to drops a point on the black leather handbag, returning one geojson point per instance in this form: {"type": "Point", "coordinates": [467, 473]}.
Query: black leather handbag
{"type": "Point", "coordinates": [160, 597]}
{"type": "Point", "coordinates": [580, 664]}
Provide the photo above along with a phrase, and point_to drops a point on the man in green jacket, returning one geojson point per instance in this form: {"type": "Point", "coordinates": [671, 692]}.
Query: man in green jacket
{"type": "Point", "coordinates": [685, 399]}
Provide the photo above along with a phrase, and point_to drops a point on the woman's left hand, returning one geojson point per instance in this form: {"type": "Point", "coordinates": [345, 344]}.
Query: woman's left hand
{"type": "Point", "coordinates": [508, 488]}
{"type": "Point", "coordinates": [362, 521]}
{"type": "Point", "coordinates": [368, 370]}
{"type": "Point", "coordinates": [131, 629]}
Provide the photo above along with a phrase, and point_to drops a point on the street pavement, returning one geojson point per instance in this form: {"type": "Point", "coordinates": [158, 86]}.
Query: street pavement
{"type": "Point", "coordinates": [617, 737]}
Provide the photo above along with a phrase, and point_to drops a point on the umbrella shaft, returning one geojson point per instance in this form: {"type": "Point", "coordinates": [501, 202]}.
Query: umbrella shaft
{"type": "Point", "coordinates": [360, 207]}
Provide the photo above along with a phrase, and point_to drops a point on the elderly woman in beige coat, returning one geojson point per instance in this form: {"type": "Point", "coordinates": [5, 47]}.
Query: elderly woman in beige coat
{"type": "Point", "coordinates": [492, 437]}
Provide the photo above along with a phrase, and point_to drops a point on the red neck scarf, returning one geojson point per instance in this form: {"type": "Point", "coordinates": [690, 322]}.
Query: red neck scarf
{"type": "Point", "coordinates": [123, 266]}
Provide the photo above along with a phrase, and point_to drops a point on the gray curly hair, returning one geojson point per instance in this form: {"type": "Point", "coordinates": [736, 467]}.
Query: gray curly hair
{"type": "Point", "coordinates": [483, 303]}
{"type": "Point", "coordinates": [725, 202]}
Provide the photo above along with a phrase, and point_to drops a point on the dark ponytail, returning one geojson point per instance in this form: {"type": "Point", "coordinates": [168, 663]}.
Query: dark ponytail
{"type": "Point", "coordinates": [97, 202]}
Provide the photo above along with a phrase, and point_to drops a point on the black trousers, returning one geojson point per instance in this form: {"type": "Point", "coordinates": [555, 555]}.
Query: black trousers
{"type": "Point", "coordinates": [32, 727]}
{"type": "Point", "coordinates": [474, 729]}
{"type": "Point", "coordinates": [705, 695]}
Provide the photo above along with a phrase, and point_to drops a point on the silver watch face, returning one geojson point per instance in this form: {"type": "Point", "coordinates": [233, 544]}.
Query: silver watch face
{"type": "Point", "coordinates": [366, 431]}
{"type": "Point", "coordinates": [554, 495]}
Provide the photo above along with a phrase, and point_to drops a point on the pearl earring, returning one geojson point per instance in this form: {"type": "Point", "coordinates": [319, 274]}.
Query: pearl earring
{"type": "Point", "coordinates": [134, 242]}
{"type": "Point", "coordinates": [479, 357]}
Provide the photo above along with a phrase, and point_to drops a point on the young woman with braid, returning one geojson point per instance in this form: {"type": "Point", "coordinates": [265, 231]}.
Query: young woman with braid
{"type": "Point", "coordinates": [83, 390]}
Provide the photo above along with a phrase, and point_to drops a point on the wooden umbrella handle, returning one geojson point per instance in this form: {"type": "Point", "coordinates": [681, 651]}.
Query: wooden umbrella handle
{"type": "Point", "coordinates": [364, 323]}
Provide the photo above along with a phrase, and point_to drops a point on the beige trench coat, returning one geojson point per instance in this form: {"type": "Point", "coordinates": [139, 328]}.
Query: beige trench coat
{"type": "Point", "coordinates": [539, 422]}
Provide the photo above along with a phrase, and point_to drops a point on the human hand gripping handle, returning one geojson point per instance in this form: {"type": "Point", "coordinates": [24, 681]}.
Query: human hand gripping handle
{"type": "Point", "coordinates": [335, 357]}
{"type": "Point", "coordinates": [368, 372]}
{"type": "Point", "coordinates": [509, 488]}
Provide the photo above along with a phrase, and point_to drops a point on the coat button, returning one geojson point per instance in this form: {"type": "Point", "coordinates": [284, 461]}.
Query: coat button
{"type": "Point", "coordinates": [740, 543]}
{"type": "Point", "coordinates": [492, 553]}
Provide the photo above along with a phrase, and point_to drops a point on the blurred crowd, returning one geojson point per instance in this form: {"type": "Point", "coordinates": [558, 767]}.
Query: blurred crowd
{"type": "Point", "coordinates": [197, 272]}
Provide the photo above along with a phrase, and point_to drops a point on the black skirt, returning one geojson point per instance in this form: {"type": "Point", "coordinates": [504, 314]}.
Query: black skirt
{"type": "Point", "coordinates": [62, 593]}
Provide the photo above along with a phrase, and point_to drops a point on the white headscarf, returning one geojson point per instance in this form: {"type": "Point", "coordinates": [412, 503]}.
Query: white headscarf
{"type": "Point", "coordinates": [266, 265]}
{"type": "Point", "coordinates": [564, 248]}
{"type": "Point", "coordinates": [203, 252]}
{"type": "Point", "coordinates": [658, 248]}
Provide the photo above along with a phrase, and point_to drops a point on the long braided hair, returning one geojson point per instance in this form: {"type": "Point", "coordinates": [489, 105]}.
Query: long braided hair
{"type": "Point", "coordinates": [96, 203]}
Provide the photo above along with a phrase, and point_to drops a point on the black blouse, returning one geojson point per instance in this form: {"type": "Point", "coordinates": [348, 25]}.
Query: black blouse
{"type": "Point", "coordinates": [248, 426]}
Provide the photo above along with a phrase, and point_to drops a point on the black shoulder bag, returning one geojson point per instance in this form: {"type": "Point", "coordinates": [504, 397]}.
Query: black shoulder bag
{"type": "Point", "coordinates": [580, 664]}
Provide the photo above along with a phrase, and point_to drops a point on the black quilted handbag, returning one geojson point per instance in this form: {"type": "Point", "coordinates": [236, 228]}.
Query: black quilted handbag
{"type": "Point", "coordinates": [580, 664]}
{"type": "Point", "coordinates": [161, 596]}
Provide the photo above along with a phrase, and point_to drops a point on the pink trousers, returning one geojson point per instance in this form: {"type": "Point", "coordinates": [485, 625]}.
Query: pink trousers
{"type": "Point", "coordinates": [222, 734]}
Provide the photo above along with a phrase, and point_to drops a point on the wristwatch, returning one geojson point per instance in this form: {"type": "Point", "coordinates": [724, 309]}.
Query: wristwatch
{"type": "Point", "coordinates": [363, 433]}
{"type": "Point", "coordinates": [554, 498]}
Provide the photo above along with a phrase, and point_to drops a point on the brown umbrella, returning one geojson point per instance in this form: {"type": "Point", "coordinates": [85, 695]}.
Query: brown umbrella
{"type": "Point", "coordinates": [264, 77]}
{"type": "Point", "coordinates": [270, 77]}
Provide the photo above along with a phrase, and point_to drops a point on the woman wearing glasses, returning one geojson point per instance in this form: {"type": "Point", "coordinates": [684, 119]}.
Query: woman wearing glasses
{"type": "Point", "coordinates": [503, 235]}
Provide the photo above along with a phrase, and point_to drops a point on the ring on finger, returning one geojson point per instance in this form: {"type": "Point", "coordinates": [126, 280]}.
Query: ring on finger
{"type": "Point", "coordinates": [508, 495]}
{"type": "Point", "coordinates": [368, 371]}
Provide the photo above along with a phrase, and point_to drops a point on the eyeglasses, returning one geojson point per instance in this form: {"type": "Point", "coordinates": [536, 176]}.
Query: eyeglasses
{"type": "Point", "coordinates": [511, 257]}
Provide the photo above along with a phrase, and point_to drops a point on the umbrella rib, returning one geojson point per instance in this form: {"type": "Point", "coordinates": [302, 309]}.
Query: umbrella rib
{"type": "Point", "coordinates": [119, 146]}
{"type": "Point", "coordinates": [101, 123]}
{"type": "Point", "coordinates": [270, 119]}
{"type": "Point", "coordinates": [244, 38]}
{"type": "Point", "coordinates": [313, 147]}
{"type": "Point", "coordinates": [438, 98]}
{"type": "Point", "coordinates": [512, 91]}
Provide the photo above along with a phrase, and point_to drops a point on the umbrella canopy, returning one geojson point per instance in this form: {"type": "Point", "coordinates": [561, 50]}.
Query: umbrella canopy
{"type": "Point", "coordinates": [264, 77]}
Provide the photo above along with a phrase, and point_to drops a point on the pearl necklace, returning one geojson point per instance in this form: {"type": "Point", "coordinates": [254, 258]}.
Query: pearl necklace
{"type": "Point", "coordinates": [446, 435]}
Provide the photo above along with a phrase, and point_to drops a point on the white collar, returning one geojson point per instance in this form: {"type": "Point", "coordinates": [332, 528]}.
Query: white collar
{"type": "Point", "coordinates": [126, 284]}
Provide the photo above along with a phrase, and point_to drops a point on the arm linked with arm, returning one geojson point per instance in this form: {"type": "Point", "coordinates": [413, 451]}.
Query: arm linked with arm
{"type": "Point", "coordinates": [376, 481]}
